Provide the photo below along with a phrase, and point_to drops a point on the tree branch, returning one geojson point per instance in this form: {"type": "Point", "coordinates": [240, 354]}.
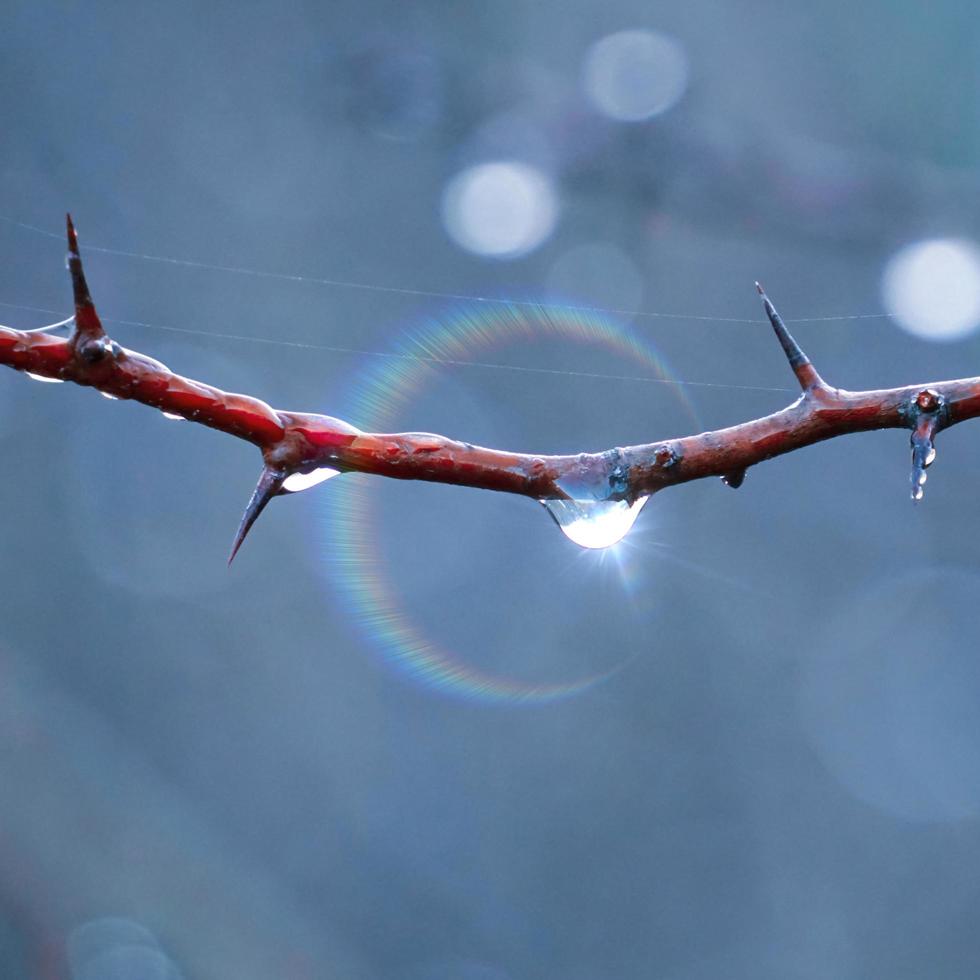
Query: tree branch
{"type": "Point", "coordinates": [300, 443]}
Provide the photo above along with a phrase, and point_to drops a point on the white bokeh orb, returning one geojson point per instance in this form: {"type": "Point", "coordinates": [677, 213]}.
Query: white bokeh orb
{"type": "Point", "coordinates": [932, 288]}
{"type": "Point", "coordinates": [503, 209]}
{"type": "Point", "coordinates": [634, 75]}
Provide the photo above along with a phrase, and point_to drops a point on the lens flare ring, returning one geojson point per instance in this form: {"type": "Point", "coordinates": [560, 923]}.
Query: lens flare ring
{"type": "Point", "coordinates": [382, 393]}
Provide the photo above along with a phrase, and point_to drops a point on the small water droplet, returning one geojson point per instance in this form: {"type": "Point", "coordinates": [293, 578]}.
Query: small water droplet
{"type": "Point", "coordinates": [173, 418]}
{"type": "Point", "coordinates": [594, 523]}
{"type": "Point", "coordinates": [105, 394]}
{"type": "Point", "coordinates": [41, 377]}
{"type": "Point", "coordinates": [923, 453]}
{"type": "Point", "coordinates": [303, 481]}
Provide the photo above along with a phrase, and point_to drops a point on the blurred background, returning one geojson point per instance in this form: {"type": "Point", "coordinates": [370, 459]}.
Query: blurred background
{"type": "Point", "coordinates": [415, 733]}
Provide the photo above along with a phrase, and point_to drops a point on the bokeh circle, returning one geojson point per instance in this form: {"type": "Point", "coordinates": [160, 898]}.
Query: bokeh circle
{"type": "Point", "coordinates": [503, 209]}
{"type": "Point", "coordinates": [634, 75]}
{"type": "Point", "coordinates": [890, 699]}
{"type": "Point", "coordinates": [932, 288]}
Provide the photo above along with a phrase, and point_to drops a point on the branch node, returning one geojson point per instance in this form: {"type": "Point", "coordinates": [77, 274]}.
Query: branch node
{"type": "Point", "coordinates": [269, 485]}
{"type": "Point", "coordinates": [88, 338]}
{"type": "Point", "coordinates": [805, 372]}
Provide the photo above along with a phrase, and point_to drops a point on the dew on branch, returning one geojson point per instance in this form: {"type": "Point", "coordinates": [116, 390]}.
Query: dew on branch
{"type": "Point", "coordinates": [297, 482]}
{"type": "Point", "coordinates": [928, 405]}
{"type": "Point", "coordinates": [923, 456]}
{"type": "Point", "coordinates": [594, 523]}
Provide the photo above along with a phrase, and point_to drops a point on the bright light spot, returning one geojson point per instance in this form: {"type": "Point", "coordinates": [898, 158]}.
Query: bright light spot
{"type": "Point", "coordinates": [595, 523]}
{"type": "Point", "coordinates": [105, 394]}
{"type": "Point", "coordinates": [933, 288]}
{"type": "Point", "coordinates": [633, 75]}
{"type": "Point", "coordinates": [303, 481]}
{"type": "Point", "coordinates": [172, 417]}
{"type": "Point", "coordinates": [41, 377]}
{"type": "Point", "coordinates": [504, 209]}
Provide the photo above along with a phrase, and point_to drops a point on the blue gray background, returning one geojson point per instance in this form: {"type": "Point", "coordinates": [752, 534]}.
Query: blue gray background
{"type": "Point", "coordinates": [221, 774]}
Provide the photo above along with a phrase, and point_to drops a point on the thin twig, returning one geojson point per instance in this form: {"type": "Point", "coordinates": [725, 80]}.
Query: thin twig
{"type": "Point", "coordinates": [295, 442]}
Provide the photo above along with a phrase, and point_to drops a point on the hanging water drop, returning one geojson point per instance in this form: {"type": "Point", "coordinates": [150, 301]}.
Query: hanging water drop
{"type": "Point", "coordinates": [923, 452]}
{"type": "Point", "coordinates": [594, 523]}
{"type": "Point", "coordinates": [303, 481]}
{"type": "Point", "coordinates": [41, 377]}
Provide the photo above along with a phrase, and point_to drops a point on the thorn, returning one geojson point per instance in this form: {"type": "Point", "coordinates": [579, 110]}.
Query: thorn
{"type": "Point", "coordinates": [270, 483]}
{"type": "Point", "coordinates": [805, 372]}
{"type": "Point", "coordinates": [73, 238]}
{"type": "Point", "coordinates": [88, 327]}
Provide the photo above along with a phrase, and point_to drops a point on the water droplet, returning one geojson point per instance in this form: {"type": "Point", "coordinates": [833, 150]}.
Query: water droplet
{"type": "Point", "coordinates": [172, 417]}
{"type": "Point", "coordinates": [105, 394]}
{"type": "Point", "coordinates": [41, 377]}
{"type": "Point", "coordinates": [303, 481]}
{"type": "Point", "coordinates": [594, 523]}
{"type": "Point", "coordinates": [923, 450]}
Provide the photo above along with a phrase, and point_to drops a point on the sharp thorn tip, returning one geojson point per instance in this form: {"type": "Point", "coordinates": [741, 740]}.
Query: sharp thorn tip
{"type": "Point", "coordinates": [72, 237]}
{"type": "Point", "coordinates": [268, 486]}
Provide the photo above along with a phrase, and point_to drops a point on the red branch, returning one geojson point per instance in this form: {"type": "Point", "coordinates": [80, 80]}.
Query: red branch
{"type": "Point", "coordinates": [298, 442]}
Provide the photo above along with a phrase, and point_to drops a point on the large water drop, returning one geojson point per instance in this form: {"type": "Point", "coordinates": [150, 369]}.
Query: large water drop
{"type": "Point", "coordinates": [303, 481]}
{"type": "Point", "coordinates": [594, 523]}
